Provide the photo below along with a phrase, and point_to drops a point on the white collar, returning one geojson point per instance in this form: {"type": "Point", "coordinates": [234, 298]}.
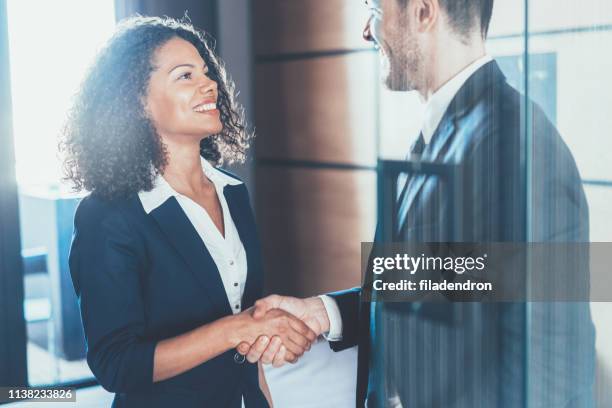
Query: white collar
{"type": "Point", "coordinates": [162, 191]}
{"type": "Point", "coordinates": [441, 99]}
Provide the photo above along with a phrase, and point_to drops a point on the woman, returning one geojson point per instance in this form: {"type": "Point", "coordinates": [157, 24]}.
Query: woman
{"type": "Point", "coordinates": [165, 258]}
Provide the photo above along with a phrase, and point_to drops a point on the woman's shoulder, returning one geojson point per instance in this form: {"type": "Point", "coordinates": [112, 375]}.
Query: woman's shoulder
{"type": "Point", "coordinates": [95, 208]}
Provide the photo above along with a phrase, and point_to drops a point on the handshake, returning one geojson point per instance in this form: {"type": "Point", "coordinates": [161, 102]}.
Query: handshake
{"type": "Point", "coordinates": [279, 329]}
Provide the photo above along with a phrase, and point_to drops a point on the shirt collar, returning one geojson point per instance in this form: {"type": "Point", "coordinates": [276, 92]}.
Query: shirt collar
{"type": "Point", "coordinates": [162, 190]}
{"type": "Point", "coordinates": [216, 176]}
{"type": "Point", "coordinates": [441, 99]}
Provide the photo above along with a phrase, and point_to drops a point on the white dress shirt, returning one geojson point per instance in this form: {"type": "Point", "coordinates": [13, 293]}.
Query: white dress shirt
{"type": "Point", "coordinates": [434, 111]}
{"type": "Point", "coordinates": [227, 252]}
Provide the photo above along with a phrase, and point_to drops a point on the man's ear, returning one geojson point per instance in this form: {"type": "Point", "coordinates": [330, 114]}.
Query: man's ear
{"type": "Point", "coordinates": [425, 13]}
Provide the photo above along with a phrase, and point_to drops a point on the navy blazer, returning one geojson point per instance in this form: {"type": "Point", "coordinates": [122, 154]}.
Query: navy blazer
{"type": "Point", "coordinates": [473, 354]}
{"type": "Point", "coordinates": [141, 278]}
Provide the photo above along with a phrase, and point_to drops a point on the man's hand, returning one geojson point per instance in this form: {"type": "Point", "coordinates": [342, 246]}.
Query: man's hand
{"type": "Point", "coordinates": [283, 327]}
{"type": "Point", "coordinates": [310, 310]}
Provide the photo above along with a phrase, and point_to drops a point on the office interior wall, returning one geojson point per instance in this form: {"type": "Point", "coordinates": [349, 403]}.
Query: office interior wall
{"type": "Point", "coordinates": [315, 104]}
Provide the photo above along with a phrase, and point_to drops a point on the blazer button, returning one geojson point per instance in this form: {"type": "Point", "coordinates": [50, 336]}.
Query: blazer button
{"type": "Point", "coordinates": [239, 358]}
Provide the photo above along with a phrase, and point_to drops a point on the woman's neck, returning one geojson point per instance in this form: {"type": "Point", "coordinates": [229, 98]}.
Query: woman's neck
{"type": "Point", "coordinates": [183, 170]}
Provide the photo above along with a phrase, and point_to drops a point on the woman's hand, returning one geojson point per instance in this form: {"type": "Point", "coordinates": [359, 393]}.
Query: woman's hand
{"type": "Point", "coordinates": [178, 354]}
{"type": "Point", "coordinates": [295, 335]}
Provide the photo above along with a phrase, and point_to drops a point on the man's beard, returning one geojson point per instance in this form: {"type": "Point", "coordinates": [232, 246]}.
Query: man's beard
{"type": "Point", "coordinates": [404, 69]}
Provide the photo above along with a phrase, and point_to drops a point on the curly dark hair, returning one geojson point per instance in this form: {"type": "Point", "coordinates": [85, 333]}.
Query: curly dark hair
{"type": "Point", "coordinates": [110, 145]}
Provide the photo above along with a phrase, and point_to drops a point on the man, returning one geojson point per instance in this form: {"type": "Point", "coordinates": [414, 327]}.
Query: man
{"type": "Point", "coordinates": [464, 354]}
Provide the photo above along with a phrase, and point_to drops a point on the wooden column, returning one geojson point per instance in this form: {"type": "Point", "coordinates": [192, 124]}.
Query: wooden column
{"type": "Point", "coordinates": [315, 101]}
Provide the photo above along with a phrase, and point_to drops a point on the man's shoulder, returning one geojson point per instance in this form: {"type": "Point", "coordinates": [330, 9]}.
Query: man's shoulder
{"type": "Point", "coordinates": [500, 104]}
{"type": "Point", "coordinates": [495, 114]}
{"type": "Point", "coordinates": [503, 112]}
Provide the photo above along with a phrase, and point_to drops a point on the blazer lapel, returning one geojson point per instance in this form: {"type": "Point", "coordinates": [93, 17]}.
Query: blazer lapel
{"type": "Point", "coordinates": [237, 202]}
{"type": "Point", "coordinates": [486, 76]}
{"type": "Point", "coordinates": [185, 239]}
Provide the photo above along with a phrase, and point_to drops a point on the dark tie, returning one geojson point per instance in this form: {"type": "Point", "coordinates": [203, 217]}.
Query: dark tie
{"type": "Point", "coordinates": [403, 181]}
{"type": "Point", "coordinates": [419, 145]}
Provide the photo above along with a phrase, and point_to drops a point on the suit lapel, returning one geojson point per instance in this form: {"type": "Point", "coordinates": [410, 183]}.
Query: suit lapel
{"type": "Point", "coordinates": [442, 136]}
{"type": "Point", "coordinates": [238, 205]}
{"type": "Point", "coordinates": [486, 76]}
{"type": "Point", "coordinates": [184, 238]}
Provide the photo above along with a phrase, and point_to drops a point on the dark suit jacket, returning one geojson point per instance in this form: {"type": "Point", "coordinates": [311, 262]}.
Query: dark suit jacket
{"type": "Point", "coordinates": [141, 278]}
{"type": "Point", "coordinates": [476, 354]}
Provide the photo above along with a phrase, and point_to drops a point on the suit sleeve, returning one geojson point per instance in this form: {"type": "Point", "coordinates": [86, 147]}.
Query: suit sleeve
{"type": "Point", "coordinates": [105, 264]}
{"type": "Point", "coordinates": [348, 302]}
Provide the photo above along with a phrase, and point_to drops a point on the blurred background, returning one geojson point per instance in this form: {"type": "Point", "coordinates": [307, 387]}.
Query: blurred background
{"type": "Point", "coordinates": [310, 87]}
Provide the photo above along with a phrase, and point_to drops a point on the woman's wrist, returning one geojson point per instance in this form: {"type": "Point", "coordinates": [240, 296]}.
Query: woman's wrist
{"type": "Point", "coordinates": [235, 328]}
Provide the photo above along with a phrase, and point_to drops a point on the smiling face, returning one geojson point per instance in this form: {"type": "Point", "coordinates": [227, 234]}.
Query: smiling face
{"type": "Point", "coordinates": [394, 34]}
{"type": "Point", "coordinates": [181, 99]}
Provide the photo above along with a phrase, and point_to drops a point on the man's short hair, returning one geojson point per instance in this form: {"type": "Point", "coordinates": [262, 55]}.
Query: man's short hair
{"type": "Point", "coordinates": [467, 15]}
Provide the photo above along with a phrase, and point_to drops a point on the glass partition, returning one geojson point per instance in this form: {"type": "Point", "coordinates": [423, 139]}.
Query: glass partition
{"type": "Point", "coordinates": [572, 37]}
{"type": "Point", "coordinates": [522, 353]}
